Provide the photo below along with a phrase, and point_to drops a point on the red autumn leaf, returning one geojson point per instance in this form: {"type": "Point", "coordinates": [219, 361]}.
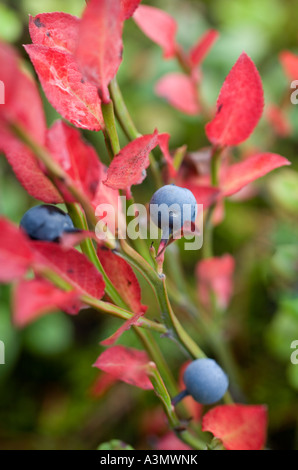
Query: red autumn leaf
{"type": "Point", "coordinates": [20, 90]}
{"type": "Point", "coordinates": [128, 167]}
{"type": "Point", "coordinates": [180, 91]}
{"type": "Point", "coordinates": [77, 158]}
{"type": "Point", "coordinates": [171, 442]}
{"type": "Point", "coordinates": [99, 50]}
{"type": "Point", "coordinates": [278, 120]}
{"type": "Point", "coordinates": [129, 7]}
{"type": "Point", "coordinates": [15, 252]}
{"type": "Point", "coordinates": [199, 51]}
{"type": "Point", "coordinates": [125, 327]}
{"type": "Point", "coordinates": [215, 277]}
{"type": "Point", "coordinates": [205, 195]}
{"type": "Point", "coordinates": [159, 26]}
{"type": "Point", "coordinates": [123, 278]}
{"type": "Point", "coordinates": [102, 384]}
{"type": "Point", "coordinates": [71, 265]}
{"type": "Point", "coordinates": [239, 105]}
{"type": "Point", "coordinates": [240, 174]}
{"type": "Point", "coordinates": [289, 61]}
{"type": "Point", "coordinates": [55, 30]}
{"type": "Point", "coordinates": [74, 98]}
{"type": "Point", "coordinates": [34, 298]}
{"type": "Point", "coordinates": [163, 142]}
{"type": "Point", "coordinates": [239, 427]}
{"type": "Point", "coordinates": [126, 364]}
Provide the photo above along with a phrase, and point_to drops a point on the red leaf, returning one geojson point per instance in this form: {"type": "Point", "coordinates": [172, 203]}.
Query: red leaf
{"type": "Point", "coordinates": [205, 195]}
{"type": "Point", "coordinates": [78, 158]}
{"type": "Point", "coordinates": [215, 276]}
{"type": "Point", "coordinates": [125, 327]}
{"type": "Point", "coordinates": [128, 167]}
{"type": "Point", "coordinates": [129, 7]}
{"type": "Point", "coordinates": [71, 265]}
{"type": "Point", "coordinates": [123, 278]}
{"type": "Point", "coordinates": [55, 30]}
{"type": "Point", "coordinates": [240, 174]}
{"type": "Point", "coordinates": [171, 442]}
{"type": "Point", "coordinates": [199, 51]}
{"type": "Point", "coordinates": [180, 91]}
{"type": "Point", "coordinates": [19, 91]}
{"type": "Point", "coordinates": [159, 26]}
{"type": "Point", "coordinates": [126, 364]}
{"type": "Point", "coordinates": [239, 106]}
{"type": "Point", "coordinates": [15, 252]}
{"type": "Point", "coordinates": [34, 298]}
{"type": "Point", "coordinates": [99, 51]}
{"type": "Point", "coordinates": [240, 427]}
{"type": "Point", "coordinates": [163, 142]}
{"type": "Point", "coordinates": [28, 171]}
{"type": "Point", "coordinates": [289, 61]}
{"type": "Point", "coordinates": [102, 384]}
{"type": "Point", "coordinates": [278, 120]}
{"type": "Point", "coordinates": [76, 100]}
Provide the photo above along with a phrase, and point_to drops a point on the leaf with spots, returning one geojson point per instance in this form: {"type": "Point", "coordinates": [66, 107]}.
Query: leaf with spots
{"type": "Point", "coordinates": [99, 50]}
{"type": "Point", "coordinates": [37, 297]}
{"type": "Point", "coordinates": [126, 364]}
{"type": "Point", "coordinates": [159, 26]}
{"type": "Point", "coordinates": [77, 158]}
{"type": "Point", "coordinates": [15, 252]}
{"type": "Point", "coordinates": [71, 265]}
{"type": "Point", "coordinates": [239, 106]}
{"type": "Point", "coordinates": [239, 427]}
{"type": "Point", "coordinates": [64, 86]}
{"type": "Point", "coordinates": [55, 30]}
{"type": "Point", "coordinates": [129, 166]}
{"type": "Point", "coordinates": [180, 91]}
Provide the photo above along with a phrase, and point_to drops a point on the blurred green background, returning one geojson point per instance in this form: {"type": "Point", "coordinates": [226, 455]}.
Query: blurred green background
{"type": "Point", "coordinates": [45, 398]}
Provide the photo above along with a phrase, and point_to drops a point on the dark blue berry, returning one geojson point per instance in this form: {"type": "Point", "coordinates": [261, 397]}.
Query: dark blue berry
{"type": "Point", "coordinates": [205, 381]}
{"type": "Point", "coordinates": [46, 223]}
{"type": "Point", "coordinates": [172, 206]}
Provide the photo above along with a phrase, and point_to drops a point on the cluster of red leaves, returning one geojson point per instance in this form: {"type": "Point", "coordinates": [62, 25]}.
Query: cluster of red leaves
{"type": "Point", "coordinates": [75, 60]}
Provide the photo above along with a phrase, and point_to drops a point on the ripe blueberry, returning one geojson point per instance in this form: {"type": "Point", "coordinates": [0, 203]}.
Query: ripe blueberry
{"type": "Point", "coordinates": [46, 223]}
{"type": "Point", "coordinates": [205, 381]}
{"type": "Point", "coordinates": [172, 206]}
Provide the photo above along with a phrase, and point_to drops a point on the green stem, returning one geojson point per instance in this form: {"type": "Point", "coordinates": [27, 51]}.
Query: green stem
{"type": "Point", "coordinates": [128, 126]}
{"type": "Point", "coordinates": [87, 246]}
{"type": "Point", "coordinates": [121, 111]}
{"type": "Point", "coordinates": [158, 283]}
{"type": "Point", "coordinates": [110, 126]}
{"type": "Point", "coordinates": [162, 393]}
